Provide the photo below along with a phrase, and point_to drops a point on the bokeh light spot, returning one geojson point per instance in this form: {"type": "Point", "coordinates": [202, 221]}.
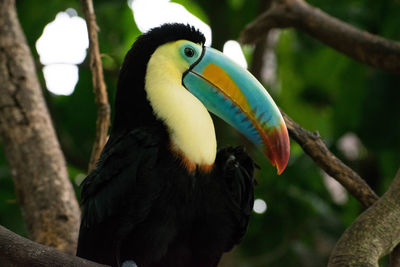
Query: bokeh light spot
{"type": "Point", "coordinates": [260, 206]}
{"type": "Point", "coordinates": [152, 13]}
{"type": "Point", "coordinates": [61, 47]}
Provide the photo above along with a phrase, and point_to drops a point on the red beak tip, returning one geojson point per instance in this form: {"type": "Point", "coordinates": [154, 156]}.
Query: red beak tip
{"type": "Point", "coordinates": [279, 155]}
{"type": "Point", "coordinates": [280, 164]}
{"type": "Point", "coordinates": [279, 169]}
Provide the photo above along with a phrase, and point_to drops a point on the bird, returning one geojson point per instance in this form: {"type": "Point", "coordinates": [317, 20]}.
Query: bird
{"type": "Point", "coordinates": [162, 194]}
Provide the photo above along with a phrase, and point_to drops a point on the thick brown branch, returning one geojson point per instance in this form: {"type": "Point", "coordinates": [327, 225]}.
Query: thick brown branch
{"type": "Point", "coordinates": [37, 165]}
{"type": "Point", "coordinates": [18, 251]}
{"type": "Point", "coordinates": [360, 45]}
{"type": "Point", "coordinates": [317, 150]}
{"type": "Point", "coordinates": [99, 87]}
{"type": "Point", "coordinates": [374, 234]}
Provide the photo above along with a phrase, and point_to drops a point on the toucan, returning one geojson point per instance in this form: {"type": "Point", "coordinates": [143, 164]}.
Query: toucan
{"type": "Point", "coordinates": [162, 195]}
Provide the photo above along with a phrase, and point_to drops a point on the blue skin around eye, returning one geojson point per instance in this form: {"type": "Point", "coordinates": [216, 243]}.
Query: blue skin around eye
{"type": "Point", "coordinates": [196, 49]}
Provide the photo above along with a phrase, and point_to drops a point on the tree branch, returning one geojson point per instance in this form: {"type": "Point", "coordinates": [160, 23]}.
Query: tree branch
{"type": "Point", "coordinates": [366, 48]}
{"type": "Point", "coordinates": [99, 87]}
{"type": "Point", "coordinates": [357, 44]}
{"type": "Point", "coordinates": [317, 150]}
{"type": "Point", "coordinates": [37, 164]}
{"type": "Point", "coordinates": [354, 253]}
{"type": "Point", "coordinates": [373, 235]}
{"type": "Point", "coordinates": [18, 251]}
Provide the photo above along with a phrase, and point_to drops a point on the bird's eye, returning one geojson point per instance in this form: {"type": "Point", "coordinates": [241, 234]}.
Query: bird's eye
{"type": "Point", "coordinates": [189, 52]}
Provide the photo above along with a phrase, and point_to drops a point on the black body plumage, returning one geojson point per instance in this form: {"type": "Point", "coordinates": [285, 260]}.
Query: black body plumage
{"type": "Point", "coordinates": [141, 203]}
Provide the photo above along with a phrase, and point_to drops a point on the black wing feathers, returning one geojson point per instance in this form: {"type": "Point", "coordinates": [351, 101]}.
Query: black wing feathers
{"type": "Point", "coordinates": [237, 172]}
{"type": "Point", "coordinates": [115, 176]}
{"type": "Point", "coordinates": [110, 194]}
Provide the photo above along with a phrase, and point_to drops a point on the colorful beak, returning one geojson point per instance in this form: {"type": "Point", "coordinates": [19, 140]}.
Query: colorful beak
{"type": "Point", "coordinates": [234, 95]}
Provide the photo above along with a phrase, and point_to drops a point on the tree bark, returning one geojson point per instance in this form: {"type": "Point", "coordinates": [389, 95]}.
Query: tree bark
{"type": "Point", "coordinates": [37, 165]}
{"type": "Point", "coordinates": [317, 150]}
{"type": "Point", "coordinates": [373, 235]}
{"type": "Point", "coordinates": [360, 45]}
{"type": "Point", "coordinates": [99, 86]}
{"type": "Point", "coordinates": [18, 251]}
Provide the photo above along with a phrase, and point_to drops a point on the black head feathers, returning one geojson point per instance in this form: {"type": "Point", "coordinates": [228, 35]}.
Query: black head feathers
{"type": "Point", "coordinates": [168, 33]}
{"type": "Point", "coordinates": [131, 78]}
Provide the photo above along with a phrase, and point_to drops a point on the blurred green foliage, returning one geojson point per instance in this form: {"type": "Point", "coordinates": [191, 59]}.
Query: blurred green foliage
{"type": "Point", "coordinates": [318, 87]}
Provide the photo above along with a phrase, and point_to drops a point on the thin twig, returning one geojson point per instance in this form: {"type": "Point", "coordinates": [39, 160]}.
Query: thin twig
{"type": "Point", "coordinates": [360, 45]}
{"type": "Point", "coordinates": [317, 150]}
{"type": "Point", "coordinates": [99, 86]}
